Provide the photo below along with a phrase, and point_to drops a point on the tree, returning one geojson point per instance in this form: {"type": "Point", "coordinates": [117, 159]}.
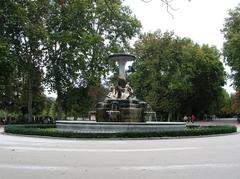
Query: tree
{"type": "Point", "coordinates": [23, 32]}
{"type": "Point", "coordinates": [76, 102]}
{"type": "Point", "coordinates": [231, 46]}
{"type": "Point", "coordinates": [81, 34]}
{"type": "Point", "coordinates": [236, 102]}
{"type": "Point", "coordinates": [226, 104]}
{"type": "Point", "coordinates": [64, 42]}
{"type": "Point", "coordinates": [39, 100]}
{"type": "Point", "coordinates": [207, 81]}
{"type": "Point", "coordinates": [176, 76]}
{"type": "Point", "coordinates": [7, 64]}
{"type": "Point", "coordinates": [8, 93]}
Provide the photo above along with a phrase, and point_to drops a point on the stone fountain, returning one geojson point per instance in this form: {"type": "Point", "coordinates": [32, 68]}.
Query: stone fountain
{"type": "Point", "coordinates": [121, 111]}
{"type": "Point", "coordinates": [120, 104]}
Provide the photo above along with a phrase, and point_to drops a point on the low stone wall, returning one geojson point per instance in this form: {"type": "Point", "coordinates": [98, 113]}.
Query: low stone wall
{"type": "Point", "coordinates": [118, 127]}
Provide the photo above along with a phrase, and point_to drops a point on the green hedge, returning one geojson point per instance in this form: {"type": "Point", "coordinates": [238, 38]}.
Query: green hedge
{"type": "Point", "coordinates": [50, 130]}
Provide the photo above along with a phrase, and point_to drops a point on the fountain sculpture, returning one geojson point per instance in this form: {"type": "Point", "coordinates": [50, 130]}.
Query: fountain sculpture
{"type": "Point", "coordinates": [120, 104]}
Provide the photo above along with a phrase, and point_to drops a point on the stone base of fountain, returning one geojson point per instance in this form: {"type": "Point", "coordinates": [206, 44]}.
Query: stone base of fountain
{"type": "Point", "coordinates": [121, 110]}
{"type": "Point", "coordinates": [118, 127]}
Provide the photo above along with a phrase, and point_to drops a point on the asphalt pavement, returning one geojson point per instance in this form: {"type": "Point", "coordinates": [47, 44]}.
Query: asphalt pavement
{"type": "Point", "coordinates": [48, 158]}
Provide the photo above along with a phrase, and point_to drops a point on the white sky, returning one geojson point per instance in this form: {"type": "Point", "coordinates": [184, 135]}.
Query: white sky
{"type": "Point", "coordinates": [200, 20]}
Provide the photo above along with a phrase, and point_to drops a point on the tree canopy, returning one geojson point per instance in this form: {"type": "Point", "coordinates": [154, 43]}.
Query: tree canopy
{"type": "Point", "coordinates": [176, 75]}
{"type": "Point", "coordinates": [81, 34]}
{"type": "Point", "coordinates": [21, 43]}
{"type": "Point", "coordinates": [64, 44]}
{"type": "Point", "coordinates": [231, 46]}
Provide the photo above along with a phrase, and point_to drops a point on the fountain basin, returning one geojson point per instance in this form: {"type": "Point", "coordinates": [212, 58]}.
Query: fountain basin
{"type": "Point", "coordinates": [118, 127]}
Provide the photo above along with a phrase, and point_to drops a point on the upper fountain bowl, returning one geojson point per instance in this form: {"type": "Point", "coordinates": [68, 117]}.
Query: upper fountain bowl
{"type": "Point", "coordinates": [122, 57]}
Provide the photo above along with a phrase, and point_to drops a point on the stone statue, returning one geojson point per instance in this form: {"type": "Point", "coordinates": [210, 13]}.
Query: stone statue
{"type": "Point", "coordinates": [118, 92]}
{"type": "Point", "coordinates": [129, 90]}
{"type": "Point", "coordinates": [120, 104]}
{"type": "Point", "coordinates": [113, 92]}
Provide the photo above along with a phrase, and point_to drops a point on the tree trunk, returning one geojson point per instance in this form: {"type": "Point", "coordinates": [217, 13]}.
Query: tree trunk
{"type": "Point", "coordinates": [59, 104]}
{"type": "Point", "coordinates": [59, 110]}
{"type": "Point", "coordinates": [30, 98]}
{"type": "Point", "coordinates": [178, 116]}
{"type": "Point", "coordinates": [169, 116]}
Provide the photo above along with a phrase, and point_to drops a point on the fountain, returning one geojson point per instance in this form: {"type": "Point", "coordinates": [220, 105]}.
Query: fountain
{"type": "Point", "coordinates": [121, 111]}
{"type": "Point", "coordinates": [120, 104]}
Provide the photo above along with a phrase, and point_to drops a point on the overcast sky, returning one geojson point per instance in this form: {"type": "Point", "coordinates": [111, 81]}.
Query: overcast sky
{"type": "Point", "coordinates": [200, 20]}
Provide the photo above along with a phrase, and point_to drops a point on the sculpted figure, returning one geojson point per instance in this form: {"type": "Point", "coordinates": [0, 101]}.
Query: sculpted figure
{"type": "Point", "coordinates": [113, 92]}
{"type": "Point", "coordinates": [127, 92]}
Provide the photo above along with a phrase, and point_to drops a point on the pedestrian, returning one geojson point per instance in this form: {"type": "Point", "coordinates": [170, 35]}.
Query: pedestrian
{"type": "Point", "coordinates": [185, 118]}
{"type": "Point", "coordinates": [193, 118]}
{"type": "Point", "coordinates": [238, 117]}
{"type": "Point", "coordinates": [205, 117]}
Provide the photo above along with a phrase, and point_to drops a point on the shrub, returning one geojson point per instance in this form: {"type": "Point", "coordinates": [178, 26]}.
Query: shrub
{"type": "Point", "coordinates": [50, 130]}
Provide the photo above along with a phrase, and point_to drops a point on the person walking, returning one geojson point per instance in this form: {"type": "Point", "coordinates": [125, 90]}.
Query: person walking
{"type": "Point", "coordinates": [193, 118]}
{"type": "Point", "coordinates": [185, 118]}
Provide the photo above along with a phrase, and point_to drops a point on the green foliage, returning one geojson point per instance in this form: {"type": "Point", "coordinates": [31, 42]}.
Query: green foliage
{"type": "Point", "coordinates": [76, 102]}
{"type": "Point", "coordinates": [81, 34]}
{"type": "Point", "coordinates": [4, 114]}
{"type": "Point", "coordinates": [22, 34]}
{"type": "Point", "coordinates": [39, 100]}
{"type": "Point", "coordinates": [50, 130]}
{"type": "Point", "coordinates": [14, 91]}
{"type": "Point", "coordinates": [52, 111]}
{"type": "Point", "coordinates": [49, 106]}
{"type": "Point", "coordinates": [70, 40]}
{"type": "Point", "coordinates": [231, 46]}
{"type": "Point", "coordinates": [8, 97]}
{"type": "Point", "coordinates": [235, 101]}
{"type": "Point", "coordinates": [176, 75]}
{"type": "Point", "coordinates": [225, 103]}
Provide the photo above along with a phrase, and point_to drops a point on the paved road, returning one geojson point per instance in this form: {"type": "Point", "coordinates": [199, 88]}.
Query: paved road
{"type": "Point", "coordinates": [43, 158]}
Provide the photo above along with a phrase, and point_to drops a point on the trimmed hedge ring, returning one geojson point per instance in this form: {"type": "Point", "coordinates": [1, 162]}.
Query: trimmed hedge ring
{"type": "Point", "coordinates": [50, 130]}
